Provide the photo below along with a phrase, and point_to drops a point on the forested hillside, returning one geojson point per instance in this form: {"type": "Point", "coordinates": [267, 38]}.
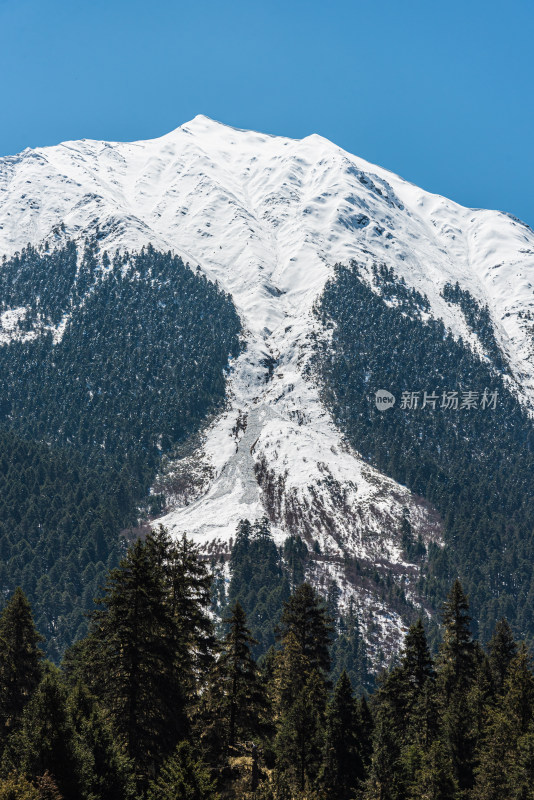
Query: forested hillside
{"type": "Point", "coordinates": [262, 579]}
{"type": "Point", "coordinates": [104, 367]}
{"type": "Point", "coordinates": [152, 705]}
{"type": "Point", "coordinates": [126, 358]}
{"type": "Point", "coordinates": [473, 463]}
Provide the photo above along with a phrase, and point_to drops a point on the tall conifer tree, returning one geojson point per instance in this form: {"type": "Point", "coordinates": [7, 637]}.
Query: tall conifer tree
{"type": "Point", "coordinates": [20, 660]}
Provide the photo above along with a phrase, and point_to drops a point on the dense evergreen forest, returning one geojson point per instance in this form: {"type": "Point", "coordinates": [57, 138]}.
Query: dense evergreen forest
{"type": "Point", "coordinates": [152, 704]}
{"type": "Point", "coordinates": [108, 365]}
{"type": "Point", "coordinates": [474, 465]}
{"type": "Point", "coordinates": [137, 363]}
{"type": "Point", "coordinates": [262, 579]}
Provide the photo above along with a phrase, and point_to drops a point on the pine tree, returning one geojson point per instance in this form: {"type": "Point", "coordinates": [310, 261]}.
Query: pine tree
{"type": "Point", "coordinates": [47, 741]}
{"type": "Point", "coordinates": [300, 732]}
{"type": "Point", "coordinates": [502, 650]}
{"type": "Point", "coordinates": [305, 617]}
{"type": "Point", "coordinates": [417, 662]}
{"type": "Point", "coordinates": [457, 654]}
{"type": "Point", "coordinates": [365, 732]}
{"type": "Point", "coordinates": [110, 774]}
{"type": "Point", "coordinates": [417, 689]}
{"type": "Point", "coordinates": [236, 672]}
{"type": "Point", "coordinates": [522, 771]}
{"type": "Point", "coordinates": [385, 779]}
{"type": "Point", "coordinates": [183, 776]}
{"type": "Point", "coordinates": [291, 669]}
{"type": "Point", "coordinates": [189, 591]}
{"type": "Point", "coordinates": [232, 706]}
{"type": "Point", "coordinates": [504, 761]}
{"type": "Point", "coordinates": [20, 660]}
{"type": "Point", "coordinates": [457, 666]}
{"type": "Point", "coordinates": [342, 769]}
{"type": "Point", "coordinates": [133, 660]}
{"type": "Point", "coordinates": [435, 780]}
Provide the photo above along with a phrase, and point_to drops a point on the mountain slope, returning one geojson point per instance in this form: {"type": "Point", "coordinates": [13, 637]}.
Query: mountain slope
{"type": "Point", "coordinates": [268, 218]}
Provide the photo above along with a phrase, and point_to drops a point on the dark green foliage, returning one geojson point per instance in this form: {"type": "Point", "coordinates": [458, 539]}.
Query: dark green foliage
{"type": "Point", "coordinates": [305, 617]}
{"type": "Point", "coordinates": [58, 534]}
{"type": "Point", "coordinates": [20, 662]}
{"type": "Point", "coordinates": [457, 673]}
{"type": "Point", "coordinates": [237, 681]}
{"type": "Point", "coordinates": [139, 365]}
{"type": "Point", "coordinates": [298, 687]}
{"type": "Point", "coordinates": [475, 466]}
{"type": "Point", "coordinates": [138, 368]}
{"type": "Point", "coordinates": [504, 768]}
{"type": "Point", "coordinates": [258, 582]}
{"type": "Point", "coordinates": [188, 587]}
{"type": "Point", "coordinates": [109, 772]}
{"type": "Point", "coordinates": [183, 776]}
{"type": "Point", "coordinates": [299, 736]}
{"type": "Point", "coordinates": [261, 581]}
{"type": "Point", "coordinates": [131, 659]}
{"type": "Point", "coordinates": [478, 319]}
{"type": "Point", "coordinates": [342, 769]}
{"type": "Point", "coordinates": [406, 720]}
{"type": "Point", "coordinates": [502, 650]}
{"type": "Point", "coordinates": [232, 707]}
{"type": "Point", "coordinates": [458, 651]}
{"type": "Point", "coordinates": [42, 283]}
{"type": "Point", "coordinates": [48, 741]}
{"type": "Point", "coordinates": [449, 730]}
{"type": "Point", "coordinates": [295, 555]}
{"type": "Point", "coordinates": [349, 654]}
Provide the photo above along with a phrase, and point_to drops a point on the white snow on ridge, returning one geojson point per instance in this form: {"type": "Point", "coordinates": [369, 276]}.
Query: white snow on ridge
{"type": "Point", "coordinates": [265, 214]}
{"type": "Point", "coordinates": [268, 218]}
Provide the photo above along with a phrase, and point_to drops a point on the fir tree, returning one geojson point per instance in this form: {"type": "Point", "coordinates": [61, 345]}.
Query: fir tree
{"type": "Point", "coordinates": [132, 666]}
{"type": "Point", "coordinates": [435, 780]}
{"type": "Point", "coordinates": [47, 741]}
{"type": "Point", "coordinates": [502, 650]}
{"type": "Point", "coordinates": [417, 689]}
{"type": "Point", "coordinates": [236, 672]}
{"type": "Point", "coordinates": [189, 583]}
{"type": "Point", "coordinates": [110, 774]}
{"type": "Point", "coordinates": [183, 776]}
{"type": "Point", "coordinates": [232, 706]}
{"type": "Point", "coordinates": [385, 779]}
{"type": "Point", "coordinates": [20, 660]}
{"type": "Point", "coordinates": [456, 674]}
{"type": "Point", "coordinates": [504, 764]}
{"type": "Point", "coordinates": [300, 732]}
{"type": "Point", "coordinates": [305, 617]}
{"type": "Point", "coordinates": [342, 768]}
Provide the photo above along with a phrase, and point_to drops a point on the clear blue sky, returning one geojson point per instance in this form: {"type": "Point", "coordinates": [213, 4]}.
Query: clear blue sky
{"type": "Point", "coordinates": [441, 93]}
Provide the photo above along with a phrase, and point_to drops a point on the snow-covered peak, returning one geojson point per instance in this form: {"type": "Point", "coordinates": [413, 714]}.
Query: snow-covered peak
{"type": "Point", "coordinates": [280, 211]}
{"type": "Point", "coordinates": [268, 217]}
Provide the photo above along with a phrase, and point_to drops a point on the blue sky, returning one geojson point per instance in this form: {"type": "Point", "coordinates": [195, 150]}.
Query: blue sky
{"type": "Point", "coordinates": [441, 93]}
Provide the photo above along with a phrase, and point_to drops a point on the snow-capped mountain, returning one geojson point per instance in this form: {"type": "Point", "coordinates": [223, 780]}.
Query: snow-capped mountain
{"type": "Point", "coordinates": [268, 218]}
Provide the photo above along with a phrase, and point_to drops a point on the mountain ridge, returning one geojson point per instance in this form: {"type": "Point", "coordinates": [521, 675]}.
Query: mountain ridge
{"type": "Point", "coordinates": [268, 218]}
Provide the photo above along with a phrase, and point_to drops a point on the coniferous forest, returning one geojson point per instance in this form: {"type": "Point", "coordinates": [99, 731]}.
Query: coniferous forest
{"type": "Point", "coordinates": [153, 704]}
{"type": "Point", "coordinates": [152, 672]}
{"type": "Point", "coordinates": [475, 466]}
{"type": "Point", "coordinates": [85, 416]}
